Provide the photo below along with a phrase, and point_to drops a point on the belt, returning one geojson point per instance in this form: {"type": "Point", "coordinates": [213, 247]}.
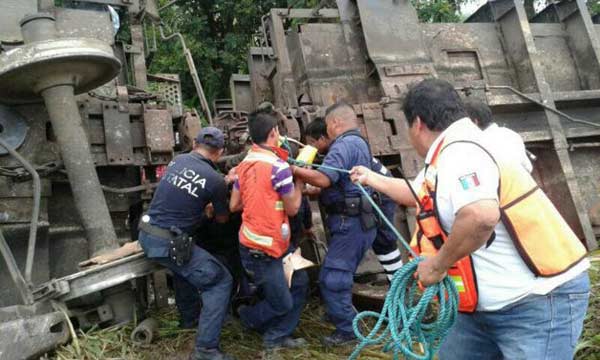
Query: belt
{"type": "Point", "coordinates": [255, 253]}
{"type": "Point", "coordinates": [155, 230]}
{"type": "Point", "coordinates": [336, 208]}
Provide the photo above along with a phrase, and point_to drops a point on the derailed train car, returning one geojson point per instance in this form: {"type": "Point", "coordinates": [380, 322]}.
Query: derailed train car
{"type": "Point", "coordinates": [83, 139]}
{"type": "Point", "coordinates": [540, 76]}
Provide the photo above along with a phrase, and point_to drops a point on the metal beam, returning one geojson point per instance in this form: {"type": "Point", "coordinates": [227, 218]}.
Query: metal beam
{"type": "Point", "coordinates": [96, 279]}
{"type": "Point", "coordinates": [14, 271]}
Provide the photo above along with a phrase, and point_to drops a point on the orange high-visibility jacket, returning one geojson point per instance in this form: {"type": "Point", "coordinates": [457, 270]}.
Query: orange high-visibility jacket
{"type": "Point", "coordinates": [264, 213]}
{"type": "Point", "coordinates": [541, 236]}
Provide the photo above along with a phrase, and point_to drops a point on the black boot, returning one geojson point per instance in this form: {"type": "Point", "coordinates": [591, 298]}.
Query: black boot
{"type": "Point", "coordinates": [339, 339]}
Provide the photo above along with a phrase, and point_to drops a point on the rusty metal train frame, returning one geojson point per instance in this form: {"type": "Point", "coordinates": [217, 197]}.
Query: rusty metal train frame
{"type": "Point", "coordinates": [540, 76]}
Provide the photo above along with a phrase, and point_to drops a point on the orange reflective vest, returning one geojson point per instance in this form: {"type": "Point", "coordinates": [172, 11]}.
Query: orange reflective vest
{"type": "Point", "coordinates": [543, 239]}
{"type": "Point", "coordinates": [264, 218]}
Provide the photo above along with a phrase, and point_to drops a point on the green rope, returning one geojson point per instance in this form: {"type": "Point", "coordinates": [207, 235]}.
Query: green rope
{"type": "Point", "coordinates": [400, 326]}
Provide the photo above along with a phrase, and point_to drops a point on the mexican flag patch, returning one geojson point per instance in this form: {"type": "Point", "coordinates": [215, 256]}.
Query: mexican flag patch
{"type": "Point", "coordinates": [469, 181]}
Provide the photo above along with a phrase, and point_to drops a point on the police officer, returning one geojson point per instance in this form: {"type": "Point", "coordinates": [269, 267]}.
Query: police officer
{"type": "Point", "coordinates": [189, 185]}
{"type": "Point", "coordinates": [350, 220]}
{"type": "Point", "coordinates": [385, 245]}
{"type": "Point", "coordinates": [522, 277]}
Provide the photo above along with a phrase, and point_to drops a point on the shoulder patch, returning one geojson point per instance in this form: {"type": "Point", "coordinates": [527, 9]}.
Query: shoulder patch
{"type": "Point", "coordinates": [469, 181]}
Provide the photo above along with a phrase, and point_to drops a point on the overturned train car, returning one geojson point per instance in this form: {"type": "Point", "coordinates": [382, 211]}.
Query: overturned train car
{"type": "Point", "coordinates": [83, 140]}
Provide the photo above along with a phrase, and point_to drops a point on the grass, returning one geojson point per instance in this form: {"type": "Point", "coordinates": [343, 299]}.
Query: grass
{"type": "Point", "coordinates": [588, 347]}
{"type": "Point", "coordinates": [176, 344]}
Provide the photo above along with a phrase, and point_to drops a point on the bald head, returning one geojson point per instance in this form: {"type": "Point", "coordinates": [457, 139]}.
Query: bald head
{"type": "Point", "coordinates": [340, 117]}
{"type": "Point", "coordinates": [342, 110]}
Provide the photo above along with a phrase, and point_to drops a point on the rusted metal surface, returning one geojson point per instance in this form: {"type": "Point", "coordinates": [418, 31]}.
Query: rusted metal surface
{"type": "Point", "coordinates": [137, 53]}
{"type": "Point", "coordinates": [12, 12]}
{"type": "Point", "coordinates": [261, 67]}
{"type": "Point", "coordinates": [361, 52]}
{"type": "Point", "coordinates": [241, 93]}
{"type": "Point", "coordinates": [80, 146]}
{"type": "Point", "coordinates": [117, 133]}
{"type": "Point", "coordinates": [554, 60]}
{"type": "Point", "coordinates": [169, 86]}
{"type": "Point", "coordinates": [220, 105]}
{"type": "Point", "coordinates": [13, 128]}
{"type": "Point", "coordinates": [31, 332]}
{"type": "Point", "coordinates": [146, 332]}
{"type": "Point", "coordinates": [31, 77]}
{"type": "Point", "coordinates": [89, 61]}
{"type": "Point", "coordinates": [538, 75]}
{"type": "Point", "coordinates": [95, 279]}
{"type": "Point", "coordinates": [158, 125]}
{"type": "Point", "coordinates": [189, 127]}
{"type": "Point", "coordinates": [234, 125]}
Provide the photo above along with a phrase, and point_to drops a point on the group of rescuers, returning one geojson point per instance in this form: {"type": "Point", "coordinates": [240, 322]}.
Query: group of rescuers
{"type": "Point", "coordinates": [520, 270]}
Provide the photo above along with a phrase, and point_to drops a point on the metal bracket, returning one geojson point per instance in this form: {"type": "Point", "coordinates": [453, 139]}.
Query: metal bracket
{"type": "Point", "coordinates": [117, 130]}
{"type": "Point", "coordinates": [132, 49]}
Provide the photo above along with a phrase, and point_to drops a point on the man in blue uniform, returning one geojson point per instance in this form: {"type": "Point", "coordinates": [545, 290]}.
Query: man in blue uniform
{"type": "Point", "coordinates": [385, 245]}
{"type": "Point", "coordinates": [350, 219]}
{"type": "Point", "coordinates": [189, 185]}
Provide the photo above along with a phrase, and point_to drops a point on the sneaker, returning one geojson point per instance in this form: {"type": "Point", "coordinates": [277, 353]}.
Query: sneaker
{"type": "Point", "coordinates": [339, 339]}
{"type": "Point", "coordinates": [287, 343]}
{"type": "Point", "coordinates": [293, 343]}
{"type": "Point", "coordinates": [211, 354]}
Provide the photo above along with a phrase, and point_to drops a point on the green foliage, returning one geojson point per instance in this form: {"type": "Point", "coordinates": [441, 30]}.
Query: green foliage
{"type": "Point", "coordinates": [594, 7]}
{"type": "Point", "coordinates": [220, 32]}
{"type": "Point", "coordinates": [437, 10]}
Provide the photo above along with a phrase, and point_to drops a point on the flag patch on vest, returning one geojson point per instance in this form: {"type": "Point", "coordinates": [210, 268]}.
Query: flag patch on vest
{"type": "Point", "coordinates": [469, 181]}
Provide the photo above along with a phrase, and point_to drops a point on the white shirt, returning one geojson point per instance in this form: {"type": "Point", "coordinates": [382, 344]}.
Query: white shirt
{"type": "Point", "coordinates": [466, 174]}
{"type": "Point", "coordinates": [508, 141]}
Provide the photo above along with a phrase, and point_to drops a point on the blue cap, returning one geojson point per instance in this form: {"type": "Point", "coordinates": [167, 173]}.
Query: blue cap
{"type": "Point", "coordinates": [211, 136]}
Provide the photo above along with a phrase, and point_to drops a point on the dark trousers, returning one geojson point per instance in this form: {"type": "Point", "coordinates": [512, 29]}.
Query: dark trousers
{"type": "Point", "coordinates": [277, 315]}
{"type": "Point", "coordinates": [347, 246]}
{"type": "Point", "coordinates": [203, 277]}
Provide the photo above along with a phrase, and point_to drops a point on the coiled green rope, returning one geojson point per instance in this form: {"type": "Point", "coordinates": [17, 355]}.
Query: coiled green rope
{"type": "Point", "coordinates": [400, 326]}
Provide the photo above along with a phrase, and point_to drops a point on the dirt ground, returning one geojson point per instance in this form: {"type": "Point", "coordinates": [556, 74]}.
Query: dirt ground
{"type": "Point", "coordinates": [176, 344]}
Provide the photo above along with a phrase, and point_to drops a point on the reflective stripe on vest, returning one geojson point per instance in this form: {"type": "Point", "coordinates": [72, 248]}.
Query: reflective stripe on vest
{"type": "Point", "coordinates": [279, 206]}
{"type": "Point", "coordinates": [258, 239]}
{"type": "Point", "coordinates": [264, 211]}
{"type": "Point", "coordinates": [541, 236]}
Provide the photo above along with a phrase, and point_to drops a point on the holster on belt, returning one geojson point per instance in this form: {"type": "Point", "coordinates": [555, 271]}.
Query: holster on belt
{"type": "Point", "coordinates": [180, 243]}
{"type": "Point", "coordinates": [368, 220]}
{"type": "Point", "coordinates": [355, 206]}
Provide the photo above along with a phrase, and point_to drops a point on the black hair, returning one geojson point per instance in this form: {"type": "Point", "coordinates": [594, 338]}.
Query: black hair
{"type": "Point", "coordinates": [479, 111]}
{"type": "Point", "coordinates": [435, 102]}
{"type": "Point", "coordinates": [260, 125]}
{"type": "Point", "coordinates": [316, 128]}
{"type": "Point", "coordinates": [338, 105]}
{"type": "Point", "coordinates": [266, 107]}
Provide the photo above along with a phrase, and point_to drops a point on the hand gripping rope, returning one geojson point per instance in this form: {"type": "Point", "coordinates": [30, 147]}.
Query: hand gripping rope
{"type": "Point", "coordinates": [400, 326]}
